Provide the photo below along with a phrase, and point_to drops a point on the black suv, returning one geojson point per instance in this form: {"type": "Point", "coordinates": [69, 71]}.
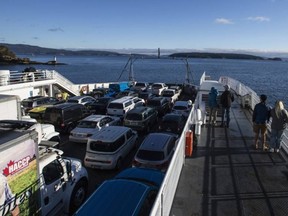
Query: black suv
{"type": "Point", "coordinates": [141, 118]}
{"type": "Point", "coordinates": [100, 105]}
{"type": "Point", "coordinates": [161, 104]}
{"type": "Point", "coordinates": [65, 116]}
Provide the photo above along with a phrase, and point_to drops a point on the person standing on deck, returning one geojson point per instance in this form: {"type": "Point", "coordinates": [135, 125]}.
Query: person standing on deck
{"type": "Point", "coordinates": [213, 105]}
{"type": "Point", "coordinates": [260, 118]}
{"type": "Point", "coordinates": [279, 122]}
{"type": "Point", "coordinates": [226, 99]}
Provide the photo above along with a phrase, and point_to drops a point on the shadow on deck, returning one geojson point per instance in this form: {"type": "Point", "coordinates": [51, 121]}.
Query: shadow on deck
{"type": "Point", "coordinates": [226, 176]}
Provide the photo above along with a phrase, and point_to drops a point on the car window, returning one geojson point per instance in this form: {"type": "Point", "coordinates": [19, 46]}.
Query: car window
{"type": "Point", "coordinates": [107, 146]}
{"type": "Point", "coordinates": [52, 172]}
{"type": "Point", "coordinates": [134, 116]}
{"type": "Point", "coordinates": [115, 106]}
{"type": "Point", "coordinates": [180, 108]}
{"type": "Point", "coordinates": [170, 146]}
{"type": "Point", "coordinates": [87, 124]}
{"type": "Point", "coordinates": [129, 134]}
{"type": "Point", "coordinates": [148, 203]}
{"type": "Point", "coordinates": [150, 155]}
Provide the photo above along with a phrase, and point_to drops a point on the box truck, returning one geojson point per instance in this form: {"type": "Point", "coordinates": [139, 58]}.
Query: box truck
{"type": "Point", "coordinates": [36, 179]}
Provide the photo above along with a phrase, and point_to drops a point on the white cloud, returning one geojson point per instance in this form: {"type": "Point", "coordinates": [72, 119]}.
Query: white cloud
{"type": "Point", "coordinates": [259, 19]}
{"type": "Point", "coordinates": [223, 21]}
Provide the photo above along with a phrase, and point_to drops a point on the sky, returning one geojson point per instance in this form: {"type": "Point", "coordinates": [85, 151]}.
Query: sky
{"type": "Point", "coordinates": [255, 25]}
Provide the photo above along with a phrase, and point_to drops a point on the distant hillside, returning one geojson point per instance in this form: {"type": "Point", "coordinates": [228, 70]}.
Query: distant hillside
{"type": "Point", "coordinates": [215, 55]}
{"type": "Point", "coordinates": [22, 49]}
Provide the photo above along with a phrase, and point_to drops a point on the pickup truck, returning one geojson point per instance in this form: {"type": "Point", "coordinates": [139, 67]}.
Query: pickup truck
{"type": "Point", "coordinates": [158, 88]}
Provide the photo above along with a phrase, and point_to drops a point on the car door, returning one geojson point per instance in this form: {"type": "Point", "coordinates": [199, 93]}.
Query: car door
{"type": "Point", "coordinates": [54, 188]}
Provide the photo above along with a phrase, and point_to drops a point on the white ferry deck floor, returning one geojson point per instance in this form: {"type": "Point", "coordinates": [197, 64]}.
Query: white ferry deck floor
{"type": "Point", "coordinates": [226, 176]}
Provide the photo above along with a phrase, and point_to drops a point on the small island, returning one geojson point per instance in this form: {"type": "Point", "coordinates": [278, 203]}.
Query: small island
{"type": "Point", "coordinates": [7, 57]}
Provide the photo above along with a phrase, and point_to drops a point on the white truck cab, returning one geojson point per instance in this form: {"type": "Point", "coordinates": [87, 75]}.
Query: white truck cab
{"type": "Point", "coordinates": [38, 179]}
{"type": "Point", "coordinates": [63, 182]}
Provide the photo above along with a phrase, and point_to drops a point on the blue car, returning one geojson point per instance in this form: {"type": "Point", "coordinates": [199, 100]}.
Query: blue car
{"type": "Point", "coordinates": [132, 192]}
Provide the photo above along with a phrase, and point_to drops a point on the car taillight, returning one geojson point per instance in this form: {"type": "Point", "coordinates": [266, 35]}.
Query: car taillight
{"type": "Point", "coordinates": [135, 163]}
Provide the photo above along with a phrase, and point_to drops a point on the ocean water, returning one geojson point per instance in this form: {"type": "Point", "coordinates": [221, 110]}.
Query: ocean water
{"type": "Point", "coordinates": [264, 77]}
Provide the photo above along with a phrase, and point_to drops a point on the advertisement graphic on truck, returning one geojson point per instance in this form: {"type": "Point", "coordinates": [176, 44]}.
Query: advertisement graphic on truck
{"type": "Point", "coordinates": [19, 188]}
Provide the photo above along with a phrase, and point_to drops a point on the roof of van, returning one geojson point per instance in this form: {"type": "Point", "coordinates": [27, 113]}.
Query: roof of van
{"type": "Point", "coordinates": [115, 197]}
{"type": "Point", "coordinates": [109, 133]}
{"type": "Point", "coordinates": [155, 141]}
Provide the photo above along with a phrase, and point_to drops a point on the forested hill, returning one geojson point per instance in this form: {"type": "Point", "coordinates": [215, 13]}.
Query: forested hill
{"type": "Point", "coordinates": [22, 49]}
{"type": "Point", "coordinates": [216, 55]}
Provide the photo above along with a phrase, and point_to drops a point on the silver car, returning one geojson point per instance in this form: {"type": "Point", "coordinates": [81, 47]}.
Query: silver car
{"type": "Point", "coordinates": [88, 126]}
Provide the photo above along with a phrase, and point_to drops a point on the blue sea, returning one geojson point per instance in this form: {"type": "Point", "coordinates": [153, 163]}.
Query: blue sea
{"type": "Point", "coordinates": [264, 77]}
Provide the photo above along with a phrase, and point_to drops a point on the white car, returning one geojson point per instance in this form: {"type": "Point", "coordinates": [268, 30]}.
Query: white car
{"type": "Point", "coordinates": [182, 107]}
{"type": "Point", "coordinates": [89, 125]}
{"type": "Point", "coordinates": [158, 88]}
{"type": "Point", "coordinates": [85, 100]}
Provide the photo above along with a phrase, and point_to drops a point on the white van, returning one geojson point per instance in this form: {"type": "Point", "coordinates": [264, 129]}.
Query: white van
{"type": "Point", "coordinates": [120, 106]}
{"type": "Point", "coordinates": [107, 148]}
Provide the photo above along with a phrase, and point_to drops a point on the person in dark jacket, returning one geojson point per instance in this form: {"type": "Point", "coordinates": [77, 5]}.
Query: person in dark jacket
{"type": "Point", "coordinates": [279, 122]}
{"type": "Point", "coordinates": [213, 105]}
{"type": "Point", "coordinates": [260, 118]}
{"type": "Point", "coordinates": [226, 99]}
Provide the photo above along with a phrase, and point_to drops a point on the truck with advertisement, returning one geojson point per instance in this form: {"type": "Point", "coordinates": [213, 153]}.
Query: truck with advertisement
{"type": "Point", "coordinates": [37, 179]}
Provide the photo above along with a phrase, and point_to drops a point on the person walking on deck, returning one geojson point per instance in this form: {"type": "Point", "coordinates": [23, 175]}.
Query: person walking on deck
{"type": "Point", "coordinates": [213, 105]}
{"type": "Point", "coordinates": [279, 122]}
{"type": "Point", "coordinates": [226, 99]}
{"type": "Point", "coordinates": [260, 118]}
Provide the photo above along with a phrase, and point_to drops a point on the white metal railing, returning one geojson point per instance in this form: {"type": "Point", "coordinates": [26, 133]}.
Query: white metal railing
{"type": "Point", "coordinates": [165, 197]}
{"type": "Point", "coordinates": [250, 98]}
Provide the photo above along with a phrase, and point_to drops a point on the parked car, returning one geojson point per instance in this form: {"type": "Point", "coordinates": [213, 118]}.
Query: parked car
{"type": "Point", "coordinates": [99, 106]}
{"type": "Point", "coordinates": [120, 106]}
{"type": "Point", "coordinates": [161, 104]}
{"type": "Point", "coordinates": [182, 107]}
{"type": "Point", "coordinates": [141, 87]}
{"type": "Point", "coordinates": [85, 99]}
{"type": "Point", "coordinates": [141, 118]}
{"type": "Point", "coordinates": [173, 122]}
{"type": "Point", "coordinates": [171, 95]}
{"type": "Point", "coordinates": [108, 147]}
{"type": "Point", "coordinates": [145, 95]}
{"type": "Point", "coordinates": [138, 101]}
{"type": "Point", "coordinates": [126, 93]}
{"type": "Point", "coordinates": [158, 88]}
{"type": "Point", "coordinates": [89, 125]}
{"type": "Point", "coordinates": [100, 92]}
{"type": "Point", "coordinates": [132, 192]}
{"type": "Point", "coordinates": [65, 116]}
{"type": "Point", "coordinates": [156, 151]}
{"type": "Point", "coordinates": [31, 102]}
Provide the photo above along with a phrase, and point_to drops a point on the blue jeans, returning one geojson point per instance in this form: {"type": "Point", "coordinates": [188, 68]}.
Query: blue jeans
{"type": "Point", "coordinates": [276, 137]}
{"type": "Point", "coordinates": [226, 112]}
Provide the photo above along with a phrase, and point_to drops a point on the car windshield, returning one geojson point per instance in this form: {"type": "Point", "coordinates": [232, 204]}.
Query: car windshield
{"type": "Point", "coordinates": [134, 116]}
{"type": "Point", "coordinates": [168, 94]}
{"type": "Point", "coordinates": [140, 84]}
{"type": "Point", "coordinates": [150, 155]}
{"type": "Point", "coordinates": [102, 100]}
{"type": "Point", "coordinates": [157, 86]}
{"type": "Point", "coordinates": [87, 124]}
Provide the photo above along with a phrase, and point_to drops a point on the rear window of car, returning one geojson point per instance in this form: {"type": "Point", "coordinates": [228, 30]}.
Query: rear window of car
{"type": "Point", "coordinates": [52, 114]}
{"type": "Point", "coordinates": [153, 103]}
{"type": "Point", "coordinates": [115, 106]}
{"type": "Point", "coordinates": [180, 108]}
{"type": "Point", "coordinates": [150, 155]}
{"type": "Point", "coordinates": [101, 146]}
{"type": "Point", "coordinates": [171, 118]}
{"type": "Point", "coordinates": [140, 84]}
{"type": "Point", "coordinates": [87, 124]}
{"type": "Point", "coordinates": [156, 86]}
{"type": "Point", "coordinates": [134, 116]}
{"type": "Point", "coordinates": [72, 101]}
{"type": "Point", "coordinates": [27, 103]}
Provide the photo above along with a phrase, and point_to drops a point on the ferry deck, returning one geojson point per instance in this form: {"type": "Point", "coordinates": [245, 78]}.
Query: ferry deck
{"type": "Point", "coordinates": [226, 176]}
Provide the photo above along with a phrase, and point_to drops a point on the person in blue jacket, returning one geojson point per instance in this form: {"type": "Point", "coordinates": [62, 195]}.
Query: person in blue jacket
{"type": "Point", "coordinates": [213, 105]}
{"type": "Point", "coordinates": [260, 118]}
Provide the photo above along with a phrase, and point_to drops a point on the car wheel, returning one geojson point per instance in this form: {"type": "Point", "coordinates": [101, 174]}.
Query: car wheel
{"type": "Point", "coordinates": [78, 195]}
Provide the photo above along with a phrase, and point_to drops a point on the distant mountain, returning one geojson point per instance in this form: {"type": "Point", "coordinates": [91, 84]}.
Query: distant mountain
{"type": "Point", "coordinates": [22, 49]}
